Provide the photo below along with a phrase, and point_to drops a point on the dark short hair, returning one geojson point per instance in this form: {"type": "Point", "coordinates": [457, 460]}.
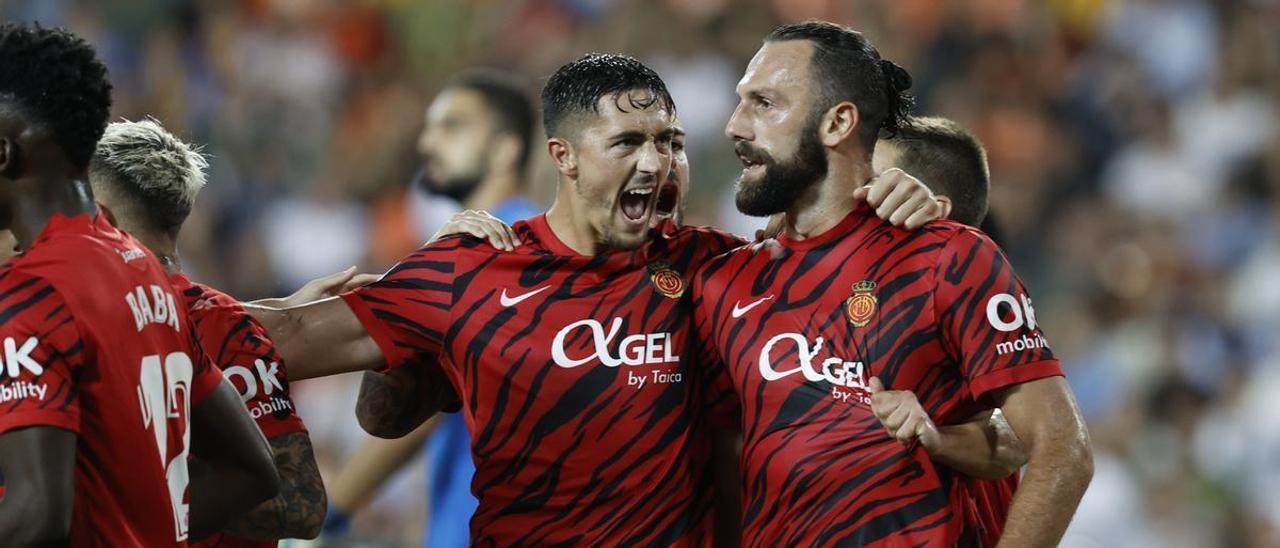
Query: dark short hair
{"type": "Point", "coordinates": [509, 100]}
{"type": "Point", "coordinates": [576, 87]}
{"type": "Point", "coordinates": [56, 81]}
{"type": "Point", "coordinates": [849, 68]}
{"type": "Point", "coordinates": [945, 156]}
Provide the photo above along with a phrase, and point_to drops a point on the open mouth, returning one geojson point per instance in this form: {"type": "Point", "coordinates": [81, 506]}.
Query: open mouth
{"type": "Point", "coordinates": [635, 204]}
{"type": "Point", "coordinates": [668, 198]}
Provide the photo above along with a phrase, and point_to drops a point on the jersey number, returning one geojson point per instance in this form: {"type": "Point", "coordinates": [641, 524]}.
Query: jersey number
{"type": "Point", "coordinates": [164, 394]}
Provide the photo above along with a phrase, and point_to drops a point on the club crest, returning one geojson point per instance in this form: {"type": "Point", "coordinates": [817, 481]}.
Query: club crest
{"type": "Point", "coordinates": [860, 307]}
{"type": "Point", "coordinates": [666, 280]}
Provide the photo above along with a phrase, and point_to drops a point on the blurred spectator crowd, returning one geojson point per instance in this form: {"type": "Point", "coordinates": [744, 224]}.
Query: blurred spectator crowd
{"type": "Point", "coordinates": [1134, 150]}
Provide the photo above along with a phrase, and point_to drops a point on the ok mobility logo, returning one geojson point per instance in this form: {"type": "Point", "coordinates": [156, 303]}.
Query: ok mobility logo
{"type": "Point", "coordinates": [16, 360]}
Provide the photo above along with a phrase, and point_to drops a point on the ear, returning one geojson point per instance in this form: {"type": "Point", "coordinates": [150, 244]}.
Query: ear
{"type": "Point", "coordinates": [946, 205]}
{"type": "Point", "coordinates": [111, 217]}
{"type": "Point", "coordinates": [9, 157]}
{"type": "Point", "coordinates": [839, 124]}
{"type": "Point", "coordinates": [564, 156]}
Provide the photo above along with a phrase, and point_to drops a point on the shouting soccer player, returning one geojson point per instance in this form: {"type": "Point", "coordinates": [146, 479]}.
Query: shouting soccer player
{"type": "Point", "coordinates": [106, 392]}
{"type": "Point", "coordinates": [851, 305]}
{"type": "Point", "coordinates": [147, 180]}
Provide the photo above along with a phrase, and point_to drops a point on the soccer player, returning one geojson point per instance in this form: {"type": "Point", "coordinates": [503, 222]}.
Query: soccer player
{"type": "Point", "coordinates": [105, 392]}
{"type": "Point", "coordinates": [476, 145]}
{"type": "Point", "coordinates": [802, 332]}
{"type": "Point", "coordinates": [566, 353]}
{"type": "Point", "coordinates": [146, 181]}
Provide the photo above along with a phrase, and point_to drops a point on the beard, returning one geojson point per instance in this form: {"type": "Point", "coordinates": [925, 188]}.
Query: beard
{"type": "Point", "coordinates": [783, 182]}
{"type": "Point", "coordinates": [457, 188]}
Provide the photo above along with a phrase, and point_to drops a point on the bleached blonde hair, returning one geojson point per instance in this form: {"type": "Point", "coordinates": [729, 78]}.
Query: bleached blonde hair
{"type": "Point", "coordinates": [143, 163]}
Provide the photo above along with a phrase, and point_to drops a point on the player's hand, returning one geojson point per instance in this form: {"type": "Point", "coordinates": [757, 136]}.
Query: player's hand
{"type": "Point", "coordinates": [901, 199]}
{"type": "Point", "coordinates": [902, 416]}
{"type": "Point", "coordinates": [772, 230]}
{"type": "Point", "coordinates": [328, 286]}
{"type": "Point", "coordinates": [481, 225]}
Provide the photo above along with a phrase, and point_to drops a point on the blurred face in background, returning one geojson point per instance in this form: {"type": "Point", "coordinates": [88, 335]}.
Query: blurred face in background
{"type": "Point", "coordinates": [671, 198]}
{"type": "Point", "coordinates": [619, 159]}
{"type": "Point", "coordinates": [775, 129]}
{"type": "Point", "coordinates": [456, 143]}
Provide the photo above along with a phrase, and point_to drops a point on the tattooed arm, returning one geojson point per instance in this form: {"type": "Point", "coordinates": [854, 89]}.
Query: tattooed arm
{"type": "Point", "coordinates": [394, 403]}
{"type": "Point", "coordinates": [298, 510]}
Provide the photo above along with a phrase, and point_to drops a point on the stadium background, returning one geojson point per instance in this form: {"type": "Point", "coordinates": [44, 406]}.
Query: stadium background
{"type": "Point", "coordinates": [1133, 145]}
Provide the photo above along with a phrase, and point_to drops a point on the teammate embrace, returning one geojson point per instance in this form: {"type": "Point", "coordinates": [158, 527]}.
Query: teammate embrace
{"type": "Point", "coordinates": [604, 367]}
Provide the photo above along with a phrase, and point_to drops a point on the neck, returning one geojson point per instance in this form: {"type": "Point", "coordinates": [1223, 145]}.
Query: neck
{"type": "Point", "coordinates": [164, 246]}
{"type": "Point", "coordinates": [570, 226]}
{"type": "Point", "coordinates": [493, 191]}
{"type": "Point", "coordinates": [828, 201]}
{"type": "Point", "coordinates": [38, 201]}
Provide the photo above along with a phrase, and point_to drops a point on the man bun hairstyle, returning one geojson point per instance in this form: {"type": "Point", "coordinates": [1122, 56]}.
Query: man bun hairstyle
{"type": "Point", "coordinates": [849, 68]}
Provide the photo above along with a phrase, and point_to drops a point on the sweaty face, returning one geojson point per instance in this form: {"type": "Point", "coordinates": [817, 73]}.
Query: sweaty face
{"type": "Point", "coordinates": [455, 143]}
{"type": "Point", "coordinates": [672, 195]}
{"type": "Point", "coordinates": [623, 158]}
{"type": "Point", "coordinates": [775, 129]}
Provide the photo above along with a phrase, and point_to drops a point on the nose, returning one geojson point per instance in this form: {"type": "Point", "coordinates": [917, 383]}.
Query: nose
{"type": "Point", "coordinates": [652, 161]}
{"type": "Point", "coordinates": [737, 129]}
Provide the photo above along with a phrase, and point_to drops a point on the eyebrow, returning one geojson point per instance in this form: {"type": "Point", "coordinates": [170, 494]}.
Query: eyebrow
{"type": "Point", "coordinates": [627, 134]}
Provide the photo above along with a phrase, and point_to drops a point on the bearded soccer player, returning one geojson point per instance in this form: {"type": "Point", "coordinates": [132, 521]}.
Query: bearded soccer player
{"type": "Point", "coordinates": [847, 304]}
{"type": "Point", "coordinates": [147, 180]}
{"type": "Point", "coordinates": [106, 392]}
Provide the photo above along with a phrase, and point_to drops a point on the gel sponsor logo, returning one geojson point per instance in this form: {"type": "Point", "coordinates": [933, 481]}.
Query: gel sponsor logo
{"type": "Point", "coordinates": [840, 373]}
{"type": "Point", "coordinates": [158, 308]}
{"type": "Point", "coordinates": [633, 350]}
{"type": "Point", "coordinates": [1023, 312]}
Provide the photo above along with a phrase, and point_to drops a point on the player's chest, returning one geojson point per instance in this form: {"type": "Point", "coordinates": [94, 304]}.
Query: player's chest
{"type": "Point", "coordinates": [568, 324]}
{"type": "Point", "coordinates": [827, 330]}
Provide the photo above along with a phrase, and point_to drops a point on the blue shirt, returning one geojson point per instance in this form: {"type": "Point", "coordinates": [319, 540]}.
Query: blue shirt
{"type": "Point", "coordinates": [449, 464]}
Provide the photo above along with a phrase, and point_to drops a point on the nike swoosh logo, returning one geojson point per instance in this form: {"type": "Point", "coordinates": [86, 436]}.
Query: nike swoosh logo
{"type": "Point", "coordinates": [512, 301]}
{"type": "Point", "coordinates": [738, 311]}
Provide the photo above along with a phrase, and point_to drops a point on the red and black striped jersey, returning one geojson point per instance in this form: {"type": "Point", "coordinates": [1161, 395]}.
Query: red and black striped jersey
{"type": "Point", "coordinates": [242, 349]}
{"type": "Point", "coordinates": [795, 329]}
{"type": "Point", "coordinates": [574, 378]}
{"type": "Point", "coordinates": [95, 343]}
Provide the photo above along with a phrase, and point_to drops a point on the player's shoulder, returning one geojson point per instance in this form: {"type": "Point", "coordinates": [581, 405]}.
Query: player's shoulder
{"type": "Point", "coordinates": [952, 234]}
{"type": "Point", "coordinates": [27, 298]}
{"type": "Point", "coordinates": [202, 300]}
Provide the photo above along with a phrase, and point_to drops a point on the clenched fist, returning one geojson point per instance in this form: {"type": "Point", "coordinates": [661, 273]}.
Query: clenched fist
{"type": "Point", "coordinates": [903, 416]}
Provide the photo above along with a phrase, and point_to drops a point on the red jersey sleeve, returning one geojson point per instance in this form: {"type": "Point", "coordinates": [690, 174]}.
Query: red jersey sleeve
{"type": "Point", "coordinates": [408, 310]}
{"type": "Point", "coordinates": [987, 322]}
{"type": "Point", "coordinates": [43, 356]}
{"type": "Point", "coordinates": [242, 350]}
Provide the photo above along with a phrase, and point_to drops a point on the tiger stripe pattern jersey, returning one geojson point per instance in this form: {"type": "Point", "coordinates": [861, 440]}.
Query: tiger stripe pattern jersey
{"type": "Point", "coordinates": [573, 376]}
{"type": "Point", "coordinates": [791, 331]}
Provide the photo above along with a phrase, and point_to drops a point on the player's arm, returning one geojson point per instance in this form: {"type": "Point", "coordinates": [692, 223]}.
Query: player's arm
{"type": "Point", "coordinates": [39, 467]}
{"type": "Point", "coordinates": [321, 288]}
{"type": "Point", "coordinates": [989, 324]}
{"type": "Point", "coordinates": [394, 403]}
{"type": "Point", "coordinates": [298, 511]}
{"type": "Point", "coordinates": [983, 448]}
{"type": "Point", "coordinates": [320, 338]}
{"type": "Point", "coordinates": [1045, 416]}
{"type": "Point", "coordinates": [233, 470]}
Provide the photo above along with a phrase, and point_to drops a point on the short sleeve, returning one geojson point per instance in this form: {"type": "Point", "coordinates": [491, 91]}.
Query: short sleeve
{"type": "Point", "coordinates": [242, 350]}
{"type": "Point", "coordinates": [206, 376]}
{"type": "Point", "coordinates": [408, 310]}
{"type": "Point", "coordinates": [986, 318]}
{"type": "Point", "coordinates": [43, 354]}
